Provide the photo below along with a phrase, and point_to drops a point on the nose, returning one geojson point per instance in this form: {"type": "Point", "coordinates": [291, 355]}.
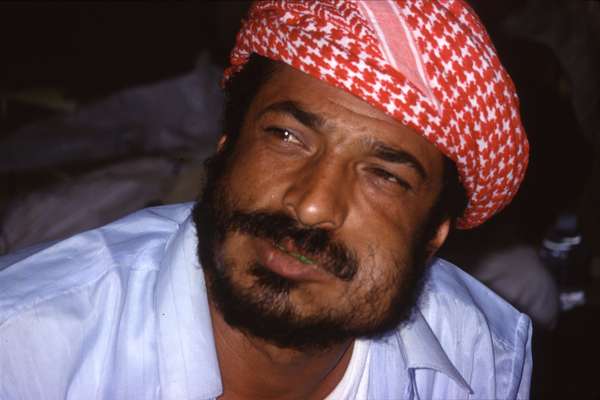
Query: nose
{"type": "Point", "coordinates": [318, 197]}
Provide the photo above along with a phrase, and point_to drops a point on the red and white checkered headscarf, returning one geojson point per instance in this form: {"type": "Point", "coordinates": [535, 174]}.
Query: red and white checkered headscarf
{"type": "Point", "coordinates": [428, 63]}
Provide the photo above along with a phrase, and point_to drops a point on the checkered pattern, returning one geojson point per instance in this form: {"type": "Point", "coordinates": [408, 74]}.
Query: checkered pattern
{"type": "Point", "coordinates": [443, 80]}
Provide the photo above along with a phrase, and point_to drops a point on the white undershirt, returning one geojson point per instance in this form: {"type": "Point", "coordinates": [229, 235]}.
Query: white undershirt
{"type": "Point", "coordinates": [355, 382]}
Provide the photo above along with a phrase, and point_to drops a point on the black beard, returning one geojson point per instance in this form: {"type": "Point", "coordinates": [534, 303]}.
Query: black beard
{"type": "Point", "coordinates": [264, 310]}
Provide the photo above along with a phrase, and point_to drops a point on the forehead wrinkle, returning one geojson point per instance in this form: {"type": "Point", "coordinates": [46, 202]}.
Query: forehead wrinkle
{"type": "Point", "coordinates": [297, 111]}
{"type": "Point", "coordinates": [361, 109]}
{"type": "Point", "coordinates": [358, 122]}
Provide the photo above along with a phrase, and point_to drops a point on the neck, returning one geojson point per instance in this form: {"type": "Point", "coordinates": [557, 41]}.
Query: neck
{"type": "Point", "coordinates": [254, 369]}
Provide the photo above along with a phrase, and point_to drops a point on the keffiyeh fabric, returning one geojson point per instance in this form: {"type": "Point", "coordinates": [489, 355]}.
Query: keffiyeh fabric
{"type": "Point", "coordinates": [429, 64]}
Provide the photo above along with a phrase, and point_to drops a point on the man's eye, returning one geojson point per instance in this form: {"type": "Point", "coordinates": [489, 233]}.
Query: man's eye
{"type": "Point", "coordinates": [391, 178]}
{"type": "Point", "coordinates": [283, 134]}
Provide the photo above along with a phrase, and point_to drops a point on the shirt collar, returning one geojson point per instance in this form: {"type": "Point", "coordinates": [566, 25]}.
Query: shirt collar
{"type": "Point", "coordinates": [422, 350]}
{"type": "Point", "coordinates": [189, 367]}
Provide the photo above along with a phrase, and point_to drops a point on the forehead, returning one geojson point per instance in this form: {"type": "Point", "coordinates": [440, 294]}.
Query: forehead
{"type": "Point", "coordinates": [344, 114]}
{"type": "Point", "coordinates": [289, 83]}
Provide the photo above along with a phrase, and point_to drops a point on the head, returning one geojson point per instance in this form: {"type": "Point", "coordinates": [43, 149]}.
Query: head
{"type": "Point", "coordinates": [311, 170]}
{"type": "Point", "coordinates": [322, 205]}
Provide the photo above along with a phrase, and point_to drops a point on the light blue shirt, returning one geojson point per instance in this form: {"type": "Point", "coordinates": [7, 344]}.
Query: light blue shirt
{"type": "Point", "coordinates": [121, 312]}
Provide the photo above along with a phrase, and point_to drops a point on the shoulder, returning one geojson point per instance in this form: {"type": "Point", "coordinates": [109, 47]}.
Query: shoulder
{"type": "Point", "coordinates": [452, 294]}
{"type": "Point", "coordinates": [47, 271]}
{"type": "Point", "coordinates": [486, 339]}
{"type": "Point", "coordinates": [463, 341]}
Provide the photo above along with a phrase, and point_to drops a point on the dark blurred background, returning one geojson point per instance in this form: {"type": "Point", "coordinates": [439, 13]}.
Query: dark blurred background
{"type": "Point", "coordinates": [92, 49]}
{"type": "Point", "coordinates": [96, 93]}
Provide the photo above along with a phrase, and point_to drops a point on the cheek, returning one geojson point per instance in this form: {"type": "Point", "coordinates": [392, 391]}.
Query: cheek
{"type": "Point", "coordinates": [392, 220]}
{"type": "Point", "coordinates": [378, 272]}
{"type": "Point", "coordinates": [386, 258]}
{"type": "Point", "coordinates": [258, 180]}
{"type": "Point", "coordinates": [380, 233]}
{"type": "Point", "coordinates": [374, 289]}
{"type": "Point", "coordinates": [251, 176]}
{"type": "Point", "coordinates": [236, 254]}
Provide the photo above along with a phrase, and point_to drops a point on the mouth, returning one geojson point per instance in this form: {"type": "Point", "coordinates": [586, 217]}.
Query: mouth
{"type": "Point", "coordinates": [282, 259]}
{"type": "Point", "coordinates": [303, 259]}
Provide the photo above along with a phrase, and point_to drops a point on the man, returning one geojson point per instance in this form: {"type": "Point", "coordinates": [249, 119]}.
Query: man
{"type": "Point", "coordinates": [307, 269]}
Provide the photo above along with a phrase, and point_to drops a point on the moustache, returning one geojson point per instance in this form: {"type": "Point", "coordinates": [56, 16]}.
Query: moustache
{"type": "Point", "coordinates": [314, 243]}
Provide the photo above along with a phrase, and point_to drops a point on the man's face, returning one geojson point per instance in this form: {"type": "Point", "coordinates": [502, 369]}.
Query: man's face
{"type": "Point", "coordinates": [317, 221]}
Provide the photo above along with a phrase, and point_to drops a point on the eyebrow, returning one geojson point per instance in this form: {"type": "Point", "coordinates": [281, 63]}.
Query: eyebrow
{"type": "Point", "coordinates": [309, 119]}
{"type": "Point", "coordinates": [390, 154]}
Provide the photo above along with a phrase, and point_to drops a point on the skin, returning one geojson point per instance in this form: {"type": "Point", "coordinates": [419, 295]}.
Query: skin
{"type": "Point", "coordinates": [322, 166]}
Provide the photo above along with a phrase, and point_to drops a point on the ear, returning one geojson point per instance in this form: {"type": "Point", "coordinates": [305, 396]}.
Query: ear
{"type": "Point", "coordinates": [439, 238]}
{"type": "Point", "coordinates": [222, 141]}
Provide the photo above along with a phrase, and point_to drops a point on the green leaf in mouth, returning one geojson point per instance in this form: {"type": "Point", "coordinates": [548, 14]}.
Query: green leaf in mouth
{"type": "Point", "coordinates": [299, 257]}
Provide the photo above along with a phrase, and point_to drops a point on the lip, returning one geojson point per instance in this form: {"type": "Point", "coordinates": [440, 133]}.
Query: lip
{"type": "Point", "coordinates": [286, 265]}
